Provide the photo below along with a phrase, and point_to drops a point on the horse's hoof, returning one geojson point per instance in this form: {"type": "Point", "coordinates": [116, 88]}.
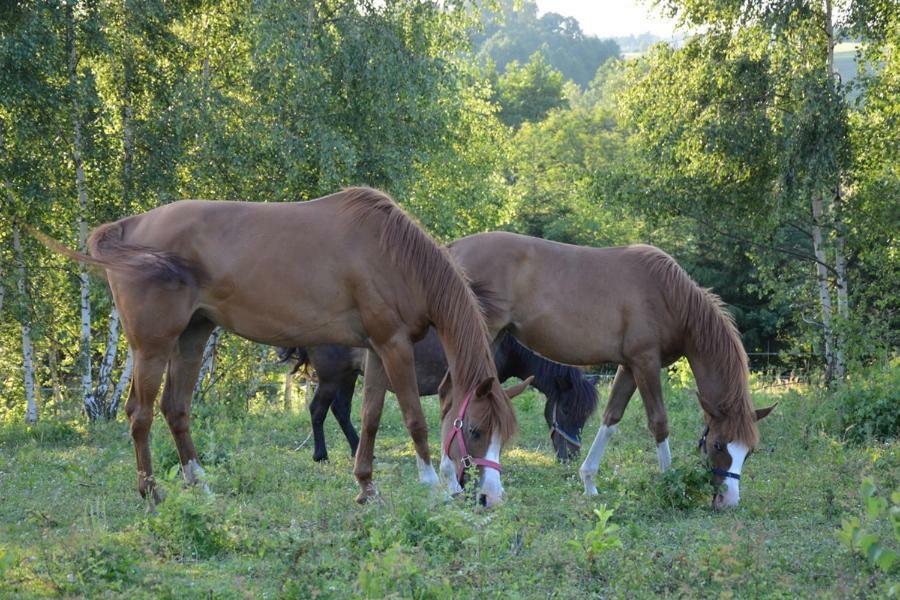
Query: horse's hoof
{"type": "Point", "coordinates": [362, 498]}
{"type": "Point", "coordinates": [323, 458]}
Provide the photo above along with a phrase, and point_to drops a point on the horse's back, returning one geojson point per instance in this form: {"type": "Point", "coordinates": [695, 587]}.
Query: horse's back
{"type": "Point", "coordinates": [280, 273]}
{"type": "Point", "coordinates": [556, 293]}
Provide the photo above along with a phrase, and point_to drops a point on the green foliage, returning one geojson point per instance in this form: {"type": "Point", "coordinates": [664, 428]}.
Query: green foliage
{"type": "Point", "coordinates": [187, 526]}
{"type": "Point", "coordinates": [72, 524]}
{"type": "Point", "coordinates": [395, 573]}
{"type": "Point", "coordinates": [601, 540]}
{"type": "Point", "coordinates": [516, 33]}
{"type": "Point", "coordinates": [865, 406]}
{"type": "Point", "coordinates": [683, 486]}
{"type": "Point", "coordinates": [859, 535]}
{"type": "Point", "coordinates": [528, 92]}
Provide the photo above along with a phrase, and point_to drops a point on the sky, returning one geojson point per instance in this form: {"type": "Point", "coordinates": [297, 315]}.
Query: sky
{"type": "Point", "coordinates": [611, 18]}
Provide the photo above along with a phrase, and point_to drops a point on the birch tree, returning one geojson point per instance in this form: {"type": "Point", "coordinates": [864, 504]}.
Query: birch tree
{"type": "Point", "coordinates": [31, 410]}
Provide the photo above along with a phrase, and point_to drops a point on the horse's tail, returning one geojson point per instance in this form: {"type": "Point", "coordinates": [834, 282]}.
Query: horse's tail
{"type": "Point", "coordinates": [108, 250]}
{"type": "Point", "coordinates": [297, 353]}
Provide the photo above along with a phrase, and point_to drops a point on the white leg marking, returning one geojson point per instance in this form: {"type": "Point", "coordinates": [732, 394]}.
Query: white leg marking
{"type": "Point", "coordinates": [592, 461]}
{"type": "Point", "coordinates": [448, 470]}
{"type": "Point", "coordinates": [426, 472]}
{"type": "Point", "coordinates": [732, 494]}
{"type": "Point", "coordinates": [194, 474]}
{"type": "Point", "coordinates": [490, 478]}
{"type": "Point", "coordinates": [664, 455]}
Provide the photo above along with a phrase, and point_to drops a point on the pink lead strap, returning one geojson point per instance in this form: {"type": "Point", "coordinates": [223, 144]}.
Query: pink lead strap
{"type": "Point", "coordinates": [467, 460]}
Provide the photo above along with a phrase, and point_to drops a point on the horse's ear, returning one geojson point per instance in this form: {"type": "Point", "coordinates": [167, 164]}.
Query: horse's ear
{"type": "Point", "coordinates": [484, 388]}
{"type": "Point", "coordinates": [762, 413]}
{"type": "Point", "coordinates": [515, 390]}
{"type": "Point", "coordinates": [564, 383]}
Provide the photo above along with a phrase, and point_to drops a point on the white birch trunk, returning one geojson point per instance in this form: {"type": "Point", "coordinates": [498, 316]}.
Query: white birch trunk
{"type": "Point", "coordinates": [54, 378]}
{"type": "Point", "coordinates": [840, 263]}
{"type": "Point", "coordinates": [822, 285]}
{"type": "Point", "coordinates": [31, 410]}
{"type": "Point", "coordinates": [85, 338]}
{"type": "Point", "coordinates": [96, 405]}
{"type": "Point", "coordinates": [124, 378]}
{"type": "Point", "coordinates": [207, 363]}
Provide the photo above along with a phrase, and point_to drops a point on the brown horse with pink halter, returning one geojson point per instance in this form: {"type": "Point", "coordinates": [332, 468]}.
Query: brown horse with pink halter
{"type": "Point", "coordinates": [369, 278]}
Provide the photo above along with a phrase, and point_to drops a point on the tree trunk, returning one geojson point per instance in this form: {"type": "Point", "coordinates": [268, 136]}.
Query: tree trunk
{"type": "Point", "coordinates": [207, 364]}
{"type": "Point", "coordinates": [54, 378]}
{"type": "Point", "coordinates": [288, 390]}
{"type": "Point", "coordinates": [822, 284]}
{"type": "Point", "coordinates": [31, 410]}
{"type": "Point", "coordinates": [124, 378]}
{"type": "Point", "coordinates": [840, 263]}
{"type": "Point", "coordinates": [77, 146]}
{"type": "Point", "coordinates": [96, 405]}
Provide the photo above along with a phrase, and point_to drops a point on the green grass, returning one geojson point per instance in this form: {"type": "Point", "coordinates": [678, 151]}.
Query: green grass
{"type": "Point", "coordinates": [279, 525]}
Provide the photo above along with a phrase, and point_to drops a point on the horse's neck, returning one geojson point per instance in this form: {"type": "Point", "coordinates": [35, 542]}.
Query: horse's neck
{"type": "Point", "coordinates": [709, 378]}
{"type": "Point", "coordinates": [461, 370]}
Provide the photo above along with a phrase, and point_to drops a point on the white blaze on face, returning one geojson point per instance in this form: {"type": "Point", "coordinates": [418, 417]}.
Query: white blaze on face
{"type": "Point", "coordinates": [592, 461]}
{"type": "Point", "coordinates": [426, 472]}
{"type": "Point", "coordinates": [448, 470]}
{"type": "Point", "coordinates": [664, 455]}
{"type": "Point", "coordinates": [732, 494]}
{"type": "Point", "coordinates": [490, 478]}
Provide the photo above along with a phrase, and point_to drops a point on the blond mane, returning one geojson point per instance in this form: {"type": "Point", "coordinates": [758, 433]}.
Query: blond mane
{"type": "Point", "coordinates": [453, 307]}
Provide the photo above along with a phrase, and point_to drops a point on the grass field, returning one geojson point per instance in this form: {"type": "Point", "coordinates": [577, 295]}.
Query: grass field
{"type": "Point", "coordinates": [279, 525]}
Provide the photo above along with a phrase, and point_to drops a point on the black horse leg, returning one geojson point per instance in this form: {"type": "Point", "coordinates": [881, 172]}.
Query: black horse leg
{"type": "Point", "coordinates": [318, 410]}
{"type": "Point", "coordinates": [341, 410]}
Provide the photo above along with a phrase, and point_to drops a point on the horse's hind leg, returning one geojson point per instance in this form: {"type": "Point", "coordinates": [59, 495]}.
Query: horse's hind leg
{"type": "Point", "coordinates": [341, 410]}
{"type": "Point", "coordinates": [318, 410]}
{"type": "Point", "coordinates": [184, 366]}
{"type": "Point", "coordinates": [147, 375]}
{"type": "Point", "coordinates": [622, 389]}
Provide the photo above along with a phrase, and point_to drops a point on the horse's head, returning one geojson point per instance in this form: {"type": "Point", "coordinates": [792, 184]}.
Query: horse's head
{"type": "Point", "coordinates": [475, 425]}
{"type": "Point", "coordinates": [565, 418]}
{"type": "Point", "coordinates": [725, 457]}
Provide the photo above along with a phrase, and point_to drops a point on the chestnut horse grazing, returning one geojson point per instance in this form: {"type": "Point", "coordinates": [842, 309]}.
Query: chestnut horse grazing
{"type": "Point", "coordinates": [634, 306]}
{"type": "Point", "coordinates": [370, 277]}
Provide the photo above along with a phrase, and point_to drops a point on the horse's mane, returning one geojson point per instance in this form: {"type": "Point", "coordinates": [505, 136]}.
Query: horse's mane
{"type": "Point", "coordinates": [713, 334]}
{"type": "Point", "coordinates": [452, 305]}
{"type": "Point", "coordinates": [580, 404]}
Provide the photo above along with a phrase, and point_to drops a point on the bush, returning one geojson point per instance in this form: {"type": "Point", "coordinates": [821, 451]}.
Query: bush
{"type": "Point", "coordinates": [683, 486]}
{"type": "Point", "coordinates": [187, 526]}
{"type": "Point", "coordinates": [867, 406]}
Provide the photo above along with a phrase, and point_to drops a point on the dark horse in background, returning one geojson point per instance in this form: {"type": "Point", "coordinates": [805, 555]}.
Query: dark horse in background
{"type": "Point", "coordinates": [571, 395]}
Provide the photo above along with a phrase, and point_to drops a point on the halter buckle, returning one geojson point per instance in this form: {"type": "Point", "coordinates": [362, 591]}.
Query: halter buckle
{"type": "Point", "coordinates": [466, 461]}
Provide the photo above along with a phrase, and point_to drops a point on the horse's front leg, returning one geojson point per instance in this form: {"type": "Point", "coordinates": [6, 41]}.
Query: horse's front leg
{"type": "Point", "coordinates": [398, 359]}
{"type": "Point", "coordinates": [622, 389]}
{"type": "Point", "coordinates": [374, 388]}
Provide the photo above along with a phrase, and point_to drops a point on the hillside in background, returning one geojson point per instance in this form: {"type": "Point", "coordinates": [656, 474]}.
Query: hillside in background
{"type": "Point", "coordinates": [514, 35]}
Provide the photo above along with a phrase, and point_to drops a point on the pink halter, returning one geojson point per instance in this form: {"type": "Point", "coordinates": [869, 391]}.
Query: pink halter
{"type": "Point", "coordinates": [467, 459]}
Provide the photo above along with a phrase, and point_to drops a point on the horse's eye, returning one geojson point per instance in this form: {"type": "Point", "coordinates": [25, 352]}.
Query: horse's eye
{"type": "Point", "coordinates": [718, 446]}
{"type": "Point", "coordinates": [474, 433]}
